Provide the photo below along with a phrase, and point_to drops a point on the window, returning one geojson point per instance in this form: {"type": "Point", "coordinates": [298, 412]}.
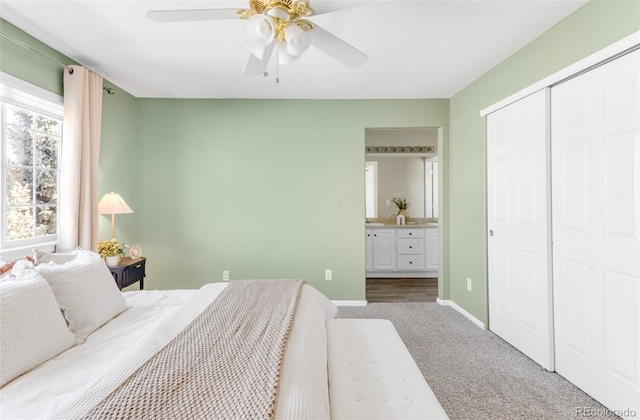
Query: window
{"type": "Point", "coordinates": [31, 132]}
{"type": "Point", "coordinates": [371, 189]}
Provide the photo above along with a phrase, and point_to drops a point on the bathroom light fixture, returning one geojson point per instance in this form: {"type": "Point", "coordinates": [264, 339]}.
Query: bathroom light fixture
{"type": "Point", "coordinates": [113, 204]}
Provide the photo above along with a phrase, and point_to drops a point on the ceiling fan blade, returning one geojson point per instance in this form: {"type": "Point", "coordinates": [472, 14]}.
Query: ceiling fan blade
{"type": "Point", "coordinates": [337, 48]}
{"type": "Point", "coordinates": [256, 66]}
{"type": "Point", "coordinates": [333, 6]}
{"type": "Point", "coordinates": [191, 15]}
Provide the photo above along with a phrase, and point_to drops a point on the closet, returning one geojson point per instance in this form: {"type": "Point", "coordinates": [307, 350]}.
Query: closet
{"type": "Point", "coordinates": [563, 206]}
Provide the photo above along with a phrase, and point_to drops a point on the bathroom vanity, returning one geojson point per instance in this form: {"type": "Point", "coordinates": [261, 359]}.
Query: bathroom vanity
{"type": "Point", "coordinates": [402, 251]}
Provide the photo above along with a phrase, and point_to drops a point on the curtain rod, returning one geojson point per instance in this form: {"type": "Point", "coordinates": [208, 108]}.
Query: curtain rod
{"type": "Point", "coordinates": [110, 91]}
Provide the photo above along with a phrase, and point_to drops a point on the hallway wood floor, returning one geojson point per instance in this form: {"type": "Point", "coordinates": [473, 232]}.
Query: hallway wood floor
{"type": "Point", "coordinates": [402, 290]}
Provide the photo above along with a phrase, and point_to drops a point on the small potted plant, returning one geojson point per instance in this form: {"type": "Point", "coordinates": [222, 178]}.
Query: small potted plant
{"type": "Point", "coordinates": [400, 201]}
{"type": "Point", "coordinates": [111, 251]}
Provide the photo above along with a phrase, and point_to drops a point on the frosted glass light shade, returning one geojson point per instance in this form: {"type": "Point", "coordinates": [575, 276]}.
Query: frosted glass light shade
{"type": "Point", "coordinates": [283, 55]}
{"type": "Point", "coordinates": [261, 29]}
{"type": "Point", "coordinates": [298, 40]}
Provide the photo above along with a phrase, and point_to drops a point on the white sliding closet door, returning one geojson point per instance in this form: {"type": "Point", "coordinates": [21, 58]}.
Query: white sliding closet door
{"type": "Point", "coordinates": [596, 229]}
{"type": "Point", "coordinates": [518, 241]}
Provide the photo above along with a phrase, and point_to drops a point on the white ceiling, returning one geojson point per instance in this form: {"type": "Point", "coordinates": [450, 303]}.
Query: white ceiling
{"type": "Point", "coordinates": [416, 49]}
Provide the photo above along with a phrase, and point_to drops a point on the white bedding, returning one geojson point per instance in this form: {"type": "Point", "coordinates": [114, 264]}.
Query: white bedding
{"type": "Point", "coordinates": [63, 380]}
{"type": "Point", "coordinates": [56, 383]}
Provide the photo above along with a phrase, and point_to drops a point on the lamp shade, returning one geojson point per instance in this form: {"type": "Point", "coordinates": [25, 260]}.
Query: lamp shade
{"type": "Point", "coordinates": [112, 203]}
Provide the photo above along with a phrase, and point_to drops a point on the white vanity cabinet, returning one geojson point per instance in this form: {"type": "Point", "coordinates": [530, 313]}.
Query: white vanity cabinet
{"type": "Point", "coordinates": [432, 243]}
{"type": "Point", "coordinates": [380, 246]}
{"type": "Point", "coordinates": [368, 259]}
{"type": "Point", "coordinates": [402, 252]}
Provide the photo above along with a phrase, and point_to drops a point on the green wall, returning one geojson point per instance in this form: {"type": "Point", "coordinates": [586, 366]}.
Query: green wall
{"type": "Point", "coordinates": [591, 28]}
{"type": "Point", "coordinates": [257, 187]}
{"type": "Point", "coordinates": [262, 188]}
{"type": "Point", "coordinates": [29, 66]}
{"type": "Point", "coordinates": [118, 146]}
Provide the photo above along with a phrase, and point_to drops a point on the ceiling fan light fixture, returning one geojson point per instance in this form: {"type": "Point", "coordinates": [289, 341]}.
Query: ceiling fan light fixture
{"type": "Point", "coordinates": [284, 57]}
{"type": "Point", "coordinates": [272, 23]}
{"type": "Point", "coordinates": [261, 29]}
{"type": "Point", "coordinates": [298, 40]}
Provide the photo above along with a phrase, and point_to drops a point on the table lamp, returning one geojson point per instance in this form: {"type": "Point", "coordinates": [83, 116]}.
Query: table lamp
{"type": "Point", "coordinates": [113, 204]}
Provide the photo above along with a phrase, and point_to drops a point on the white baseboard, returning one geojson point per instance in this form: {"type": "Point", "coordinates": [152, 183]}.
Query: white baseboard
{"type": "Point", "coordinates": [349, 302]}
{"type": "Point", "coordinates": [462, 311]}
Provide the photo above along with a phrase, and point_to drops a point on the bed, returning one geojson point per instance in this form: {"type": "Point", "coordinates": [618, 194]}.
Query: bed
{"type": "Point", "coordinates": [100, 353]}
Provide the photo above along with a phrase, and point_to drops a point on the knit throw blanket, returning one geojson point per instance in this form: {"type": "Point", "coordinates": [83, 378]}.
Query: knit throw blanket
{"type": "Point", "coordinates": [224, 365]}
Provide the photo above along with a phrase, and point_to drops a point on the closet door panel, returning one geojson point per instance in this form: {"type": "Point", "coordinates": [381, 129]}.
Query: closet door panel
{"type": "Point", "coordinates": [596, 231]}
{"type": "Point", "coordinates": [620, 291]}
{"type": "Point", "coordinates": [619, 168]}
{"type": "Point", "coordinates": [572, 177]}
{"type": "Point", "coordinates": [573, 293]}
{"type": "Point", "coordinates": [518, 241]}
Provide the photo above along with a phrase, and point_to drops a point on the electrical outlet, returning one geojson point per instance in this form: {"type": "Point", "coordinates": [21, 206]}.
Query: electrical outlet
{"type": "Point", "coordinates": [468, 284]}
{"type": "Point", "coordinates": [328, 274]}
{"type": "Point", "coordinates": [388, 202]}
{"type": "Point", "coordinates": [225, 275]}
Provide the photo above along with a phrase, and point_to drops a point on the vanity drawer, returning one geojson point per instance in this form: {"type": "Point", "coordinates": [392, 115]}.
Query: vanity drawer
{"type": "Point", "coordinates": [410, 246]}
{"type": "Point", "coordinates": [411, 262]}
{"type": "Point", "coordinates": [410, 233]}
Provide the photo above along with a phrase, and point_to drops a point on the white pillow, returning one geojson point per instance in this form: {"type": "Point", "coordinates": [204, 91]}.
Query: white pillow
{"type": "Point", "coordinates": [85, 291]}
{"type": "Point", "coordinates": [42, 257]}
{"type": "Point", "coordinates": [33, 329]}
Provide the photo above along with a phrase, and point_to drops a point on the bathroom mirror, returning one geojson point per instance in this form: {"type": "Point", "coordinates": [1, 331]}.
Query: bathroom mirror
{"type": "Point", "coordinates": [397, 161]}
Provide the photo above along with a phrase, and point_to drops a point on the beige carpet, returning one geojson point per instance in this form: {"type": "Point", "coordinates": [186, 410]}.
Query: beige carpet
{"type": "Point", "coordinates": [474, 373]}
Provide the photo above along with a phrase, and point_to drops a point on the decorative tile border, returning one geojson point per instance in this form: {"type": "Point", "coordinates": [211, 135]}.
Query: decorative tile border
{"type": "Point", "coordinates": [400, 149]}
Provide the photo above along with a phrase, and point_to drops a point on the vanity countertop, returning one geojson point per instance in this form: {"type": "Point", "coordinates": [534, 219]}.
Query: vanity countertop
{"type": "Point", "coordinates": [431, 225]}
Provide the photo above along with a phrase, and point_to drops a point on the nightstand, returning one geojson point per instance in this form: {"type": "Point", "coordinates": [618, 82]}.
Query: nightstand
{"type": "Point", "coordinates": [129, 271]}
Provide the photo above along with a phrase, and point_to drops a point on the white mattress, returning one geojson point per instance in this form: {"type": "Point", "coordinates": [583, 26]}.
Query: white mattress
{"type": "Point", "coordinates": [67, 379]}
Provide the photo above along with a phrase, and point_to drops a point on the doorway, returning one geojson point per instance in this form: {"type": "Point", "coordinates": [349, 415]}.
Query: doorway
{"type": "Point", "coordinates": [401, 162]}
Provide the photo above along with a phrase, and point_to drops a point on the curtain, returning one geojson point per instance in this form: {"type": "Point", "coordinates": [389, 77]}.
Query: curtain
{"type": "Point", "coordinates": [79, 160]}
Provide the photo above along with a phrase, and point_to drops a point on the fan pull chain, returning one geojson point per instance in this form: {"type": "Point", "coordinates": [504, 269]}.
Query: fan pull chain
{"type": "Point", "coordinates": [264, 68]}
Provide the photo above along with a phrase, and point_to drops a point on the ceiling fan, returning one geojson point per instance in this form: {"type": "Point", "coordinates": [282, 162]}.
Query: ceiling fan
{"type": "Point", "coordinates": [274, 24]}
